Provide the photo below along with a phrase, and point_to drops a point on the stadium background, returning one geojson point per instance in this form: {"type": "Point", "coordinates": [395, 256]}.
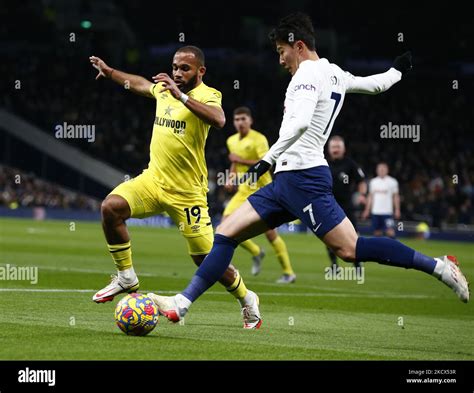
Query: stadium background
{"type": "Point", "coordinates": [57, 85]}
{"type": "Point", "coordinates": [396, 314]}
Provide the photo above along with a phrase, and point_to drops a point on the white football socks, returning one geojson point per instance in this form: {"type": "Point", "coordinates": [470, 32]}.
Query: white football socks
{"type": "Point", "coordinates": [183, 302]}
{"type": "Point", "coordinates": [247, 299]}
{"type": "Point", "coordinates": [127, 276]}
{"type": "Point", "coordinates": [439, 268]}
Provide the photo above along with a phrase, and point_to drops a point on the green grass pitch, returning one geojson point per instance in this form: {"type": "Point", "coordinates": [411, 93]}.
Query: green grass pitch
{"type": "Point", "coordinates": [311, 319]}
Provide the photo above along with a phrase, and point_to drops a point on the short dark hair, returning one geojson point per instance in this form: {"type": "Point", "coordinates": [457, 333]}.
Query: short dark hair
{"type": "Point", "coordinates": [198, 53]}
{"type": "Point", "coordinates": [292, 28]}
{"type": "Point", "coordinates": [243, 110]}
{"type": "Point", "coordinates": [336, 138]}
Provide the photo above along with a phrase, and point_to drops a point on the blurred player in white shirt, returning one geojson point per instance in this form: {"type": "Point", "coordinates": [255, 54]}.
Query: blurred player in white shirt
{"type": "Point", "coordinates": [383, 202]}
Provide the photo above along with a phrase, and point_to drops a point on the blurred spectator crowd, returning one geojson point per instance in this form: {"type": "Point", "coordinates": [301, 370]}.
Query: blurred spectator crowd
{"type": "Point", "coordinates": [21, 189]}
{"type": "Point", "coordinates": [436, 174]}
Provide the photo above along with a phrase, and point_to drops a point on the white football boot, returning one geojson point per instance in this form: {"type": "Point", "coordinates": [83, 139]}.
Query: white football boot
{"type": "Point", "coordinates": [447, 270]}
{"type": "Point", "coordinates": [257, 262]}
{"type": "Point", "coordinates": [121, 283]}
{"type": "Point", "coordinates": [286, 279]}
{"type": "Point", "coordinates": [250, 311]}
{"type": "Point", "coordinates": [172, 307]}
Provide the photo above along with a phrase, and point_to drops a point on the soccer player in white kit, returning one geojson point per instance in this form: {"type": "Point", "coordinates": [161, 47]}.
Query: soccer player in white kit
{"type": "Point", "coordinates": [383, 202]}
{"type": "Point", "coordinates": [302, 187]}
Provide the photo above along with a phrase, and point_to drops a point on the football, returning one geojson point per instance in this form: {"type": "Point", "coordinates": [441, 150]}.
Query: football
{"type": "Point", "coordinates": [136, 315]}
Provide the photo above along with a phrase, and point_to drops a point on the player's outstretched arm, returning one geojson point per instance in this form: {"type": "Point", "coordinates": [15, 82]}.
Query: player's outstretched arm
{"type": "Point", "coordinates": [135, 83]}
{"type": "Point", "coordinates": [378, 83]}
{"type": "Point", "coordinates": [368, 205]}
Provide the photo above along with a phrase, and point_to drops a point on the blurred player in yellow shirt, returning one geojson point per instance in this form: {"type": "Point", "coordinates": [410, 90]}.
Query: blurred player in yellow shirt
{"type": "Point", "coordinates": [175, 181]}
{"type": "Point", "coordinates": [246, 148]}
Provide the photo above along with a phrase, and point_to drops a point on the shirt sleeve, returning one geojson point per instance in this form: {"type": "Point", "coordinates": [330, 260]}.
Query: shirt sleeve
{"type": "Point", "coordinates": [373, 84]}
{"type": "Point", "coordinates": [371, 186]}
{"type": "Point", "coordinates": [261, 147]}
{"type": "Point", "coordinates": [395, 186]}
{"type": "Point", "coordinates": [152, 89]}
{"type": "Point", "coordinates": [305, 98]}
{"type": "Point", "coordinates": [357, 172]}
{"type": "Point", "coordinates": [214, 98]}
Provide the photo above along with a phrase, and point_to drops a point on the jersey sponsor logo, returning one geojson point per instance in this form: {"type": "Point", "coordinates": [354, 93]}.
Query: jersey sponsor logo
{"type": "Point", "coordinates": [307, 86]}
{"type": "Point", "coordinates": [168, 110]}
{"type": "Point", "coordinates": [179, 126]}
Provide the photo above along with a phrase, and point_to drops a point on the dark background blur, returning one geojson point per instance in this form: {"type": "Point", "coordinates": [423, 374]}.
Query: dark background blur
{"type": "Point", "coordinates": [140, 37]}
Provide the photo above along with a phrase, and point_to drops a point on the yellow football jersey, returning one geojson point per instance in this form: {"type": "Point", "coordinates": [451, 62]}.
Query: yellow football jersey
{"type": "Point", "coordinates": [251, 147]}
{"type": "Point", "coordinates": [179, 137]}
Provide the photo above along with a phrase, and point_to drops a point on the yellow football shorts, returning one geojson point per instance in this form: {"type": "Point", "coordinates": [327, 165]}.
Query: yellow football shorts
{"type": "Point", "coordinates": [190, 213]}
{"type": "Point", "coordinates": [239, 197]}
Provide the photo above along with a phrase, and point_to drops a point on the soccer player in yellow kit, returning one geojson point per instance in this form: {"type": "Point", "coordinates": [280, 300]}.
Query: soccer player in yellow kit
{"type": "Point", "coordinates": [246, 148]}
{"type": "Point", "coordinates": [175, 181]}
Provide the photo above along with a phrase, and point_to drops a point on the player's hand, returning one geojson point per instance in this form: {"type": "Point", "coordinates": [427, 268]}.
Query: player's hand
{"type": "Point", "coordinates": [168, 84]}
{"type": "Point", "coordinates": [99, 64]}
{"type": "Point", "coordinates": [255, 172]}
{"type": "Point", "coordinates": [234, 158]}
{"type": "Point", "coordinates": [365, 215]}
{"type": "Point", "coordinates": [231, 182]}
{"type": "Point", "coordinates": [397, 214]}
{"type": "Point", "coordinates": [403, 63]}
{"type": "Point", "coordinates": [361, 199]}
{"type": "Point", "coordinates": [229, 187]}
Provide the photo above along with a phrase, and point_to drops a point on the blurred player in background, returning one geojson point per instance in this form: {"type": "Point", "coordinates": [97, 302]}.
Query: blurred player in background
{"type": "Point", "coordinates": [246, 148]}
{"type": "Point", "coordinates": [346, 176]}
{"type": "Point", "coordinates": [383, 202]}
{"type": "Point", "coordinates": [302, 187]}
{"type": "Point", "coordinates": [175, 181]}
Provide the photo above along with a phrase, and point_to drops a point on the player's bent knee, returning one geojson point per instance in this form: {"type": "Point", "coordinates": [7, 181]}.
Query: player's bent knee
{"type": "Point", "coordinates": [346, 254]}
{"type": "Point", "coordinates": [198, 259]}
{"type": "Point", "coordinates": [114, 207]}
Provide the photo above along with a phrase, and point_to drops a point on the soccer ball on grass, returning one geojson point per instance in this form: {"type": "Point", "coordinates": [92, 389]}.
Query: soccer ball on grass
{"type": "Point", "coordinates": [136, 314]}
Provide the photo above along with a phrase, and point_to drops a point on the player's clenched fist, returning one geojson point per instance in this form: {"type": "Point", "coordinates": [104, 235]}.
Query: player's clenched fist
{"type": "Point", "coordinates": [99, 64]}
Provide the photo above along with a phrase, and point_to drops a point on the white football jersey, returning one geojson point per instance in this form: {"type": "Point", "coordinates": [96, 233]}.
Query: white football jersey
{"type": "Point", "coordinates": [382, 190]}
{"type": "Point", "coordinates": [313, 100]}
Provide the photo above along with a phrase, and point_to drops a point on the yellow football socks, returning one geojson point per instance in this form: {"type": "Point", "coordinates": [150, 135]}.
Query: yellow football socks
{"type": "Point", "coordinates": [122, 255]}
{"type": "Point", "coordinates": [238, 288]}
{"type": "Point", "coordinates": [251, 247]}
{"type": "Point", "coordinates": [282, 254]}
